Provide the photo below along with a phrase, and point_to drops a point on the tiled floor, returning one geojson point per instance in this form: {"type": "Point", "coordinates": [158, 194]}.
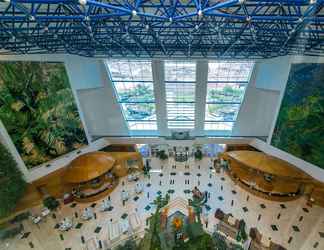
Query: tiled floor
{"type": "Point", "coordinates": [291, 232]}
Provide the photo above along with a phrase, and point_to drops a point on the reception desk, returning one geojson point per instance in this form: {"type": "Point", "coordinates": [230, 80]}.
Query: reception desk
{"type": "Point", "coordinates": [266, 176]}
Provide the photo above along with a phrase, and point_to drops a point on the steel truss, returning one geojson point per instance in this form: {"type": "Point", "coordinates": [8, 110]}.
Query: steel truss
{"type": "Point", "coordinates": [163, 28]}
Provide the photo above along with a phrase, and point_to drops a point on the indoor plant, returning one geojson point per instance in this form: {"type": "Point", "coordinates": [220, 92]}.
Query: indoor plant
{"type": "Point", "coordinates": [12, 184]}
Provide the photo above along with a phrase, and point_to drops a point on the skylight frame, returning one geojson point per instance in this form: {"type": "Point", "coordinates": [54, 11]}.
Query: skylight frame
{"type": "Point", "coordinates": [177, 116]}
{"type": "Point", "coordinates": [226, 124]}
{"type": "Point", "coordinates": [133, 123]}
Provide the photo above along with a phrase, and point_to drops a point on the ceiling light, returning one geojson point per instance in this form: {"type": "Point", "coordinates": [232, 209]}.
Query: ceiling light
{"type": "Point", "coordinates": [134, 13]}
{"type": "Point", "coordinates": [83, 2]}
{"type": "Point", "coordinates": [200, 13]}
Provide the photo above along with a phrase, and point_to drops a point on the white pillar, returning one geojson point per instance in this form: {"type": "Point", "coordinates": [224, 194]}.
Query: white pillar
{"type": "Point", "coordinates": [201, 91]}
{"type": "Point", "coordinates": [160, 97]}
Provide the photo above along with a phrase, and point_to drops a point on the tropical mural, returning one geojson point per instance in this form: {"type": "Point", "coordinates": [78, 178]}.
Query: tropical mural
{"type": "Point", "coordinates": [300, 124]}
{"type": "Point", "coordinates": [38, 110]}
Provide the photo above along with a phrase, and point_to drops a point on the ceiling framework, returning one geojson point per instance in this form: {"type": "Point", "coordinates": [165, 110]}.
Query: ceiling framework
{"type": "Point", "coordinates": [163, 28]}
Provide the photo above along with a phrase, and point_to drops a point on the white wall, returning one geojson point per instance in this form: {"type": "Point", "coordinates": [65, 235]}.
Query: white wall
{"type": "Point", "coordinates": [258, 107]}
{"type": "Point", "coordinates": [101, 109]}
{"type": "Point", "coordinates": [272, 73]}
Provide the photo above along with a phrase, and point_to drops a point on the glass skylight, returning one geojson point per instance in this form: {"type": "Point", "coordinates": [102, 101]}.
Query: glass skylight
{"type": "Point", "coordinates": [225, 91]}
{"type": "Point", "coordinates": [133, 83]}
{"type": "Point", "coordinates": [180, 83]}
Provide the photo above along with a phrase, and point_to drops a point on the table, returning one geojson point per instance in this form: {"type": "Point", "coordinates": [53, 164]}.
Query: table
{"type": "Point", "coordinates": [124, 225]}
{"type": "Point", "coordinates": [45, 212]}
{"type": "Point", "coordinates": [65, 224]}
{"type": "Point", "coordinates": [36, 219]}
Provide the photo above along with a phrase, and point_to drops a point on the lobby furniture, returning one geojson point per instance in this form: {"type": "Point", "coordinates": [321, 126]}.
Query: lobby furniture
{"type": "Point", "coordinates": [127, 163]}
{"type": "Point", "coordinates": [87, 214]}
{"type": "Point", "coordinates": [260, 242]}
{"type": "Point", "coordinates": [124, 225]}
{"type": "Point", "coordinates": [113, 232]}
{"type": "Point", "coordinates": [265, 175]}
{"type": "Point", "coordinates": [65, 225]}
{"type": "Point", "coordinates": [227, 225]}
{"type": "Point", "coordinates": [105, 205]}
{"type": "Point", "coordinates": [90, 176]}
{"type": "Point", "coordinates": [124, 195]}
{"type": "Point", "coordinates": [67, 198]}
{"type": "Point", "coordinates": [92, 244]}
{"type": "Point", "coordinates": [135, 221]}
{"type": "Point", "coordinates": [45, 212]}
{"type": "Point", "coordinates": [36, 219]}
{"type": "Point", "coordinates": [133, 176]}
{"type": "Point", "coordinates": [139, 187]}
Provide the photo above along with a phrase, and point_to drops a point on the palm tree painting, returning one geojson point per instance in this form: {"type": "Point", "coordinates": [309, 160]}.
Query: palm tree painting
{"type": "Point", "coordinates": [299, 128]}
{"type": "Point", "coordinates": [38, 110]}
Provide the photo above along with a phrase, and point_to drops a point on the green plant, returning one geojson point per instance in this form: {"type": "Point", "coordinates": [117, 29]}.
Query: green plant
{"type": "Point", "coordinates": [38, 110]}
{"type": "Point", "coordinates": [299, 127]}
{"type": "Point", "coordinates": [241, 233]}
{"type": "Point", "coordinates": [10, 231]}
{"type": "Point", "coordinates": [198, 154]}
{"type": "Point", "coordinates": [147, 169]}
{"type": "Point", "coordinates": [12, 184]}
{"type": "Point", "coordinates": [162, 155]}
{"type": "Point", "coordinates": [20, 217]}
{"type": "Point", "coordinates": [51, 203]}
{"type": "Point", "coordinates": [130, 244]}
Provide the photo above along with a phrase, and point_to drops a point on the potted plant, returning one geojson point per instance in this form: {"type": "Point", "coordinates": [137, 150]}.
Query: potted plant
{"type": "Point", "coordinates": [51, 203]}
{"type": "Point", "coordinates": [198, 154]}
{"type": "Point", "coordinates": [162, 155]}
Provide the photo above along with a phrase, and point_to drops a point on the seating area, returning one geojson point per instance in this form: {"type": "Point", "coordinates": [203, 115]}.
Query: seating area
{"type": "Point", "coordinates": [123, 215]}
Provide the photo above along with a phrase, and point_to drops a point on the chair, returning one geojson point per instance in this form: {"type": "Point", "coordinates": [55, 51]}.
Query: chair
{"type": "Point", "coordinates": [135, 221]}
{"type": "Point", "coordinates": [113, 231]}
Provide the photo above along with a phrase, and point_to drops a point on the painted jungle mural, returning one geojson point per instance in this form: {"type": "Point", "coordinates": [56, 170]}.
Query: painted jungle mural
{"type": "Point", "coordinates": [38, 110]}
{"type": "Point", "coordinates": [299, 128]}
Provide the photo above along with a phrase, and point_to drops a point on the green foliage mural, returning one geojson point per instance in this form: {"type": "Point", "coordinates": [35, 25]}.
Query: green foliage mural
{"type": "Point", "coordinates": [38, 110]}
{"type": "Point", "coordinates": [299, 129]}
{"type": "Point", "coordinates": [12, 185]}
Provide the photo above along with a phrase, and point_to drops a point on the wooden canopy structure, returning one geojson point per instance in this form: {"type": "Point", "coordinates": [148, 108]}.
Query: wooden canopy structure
{"type": "Point", "coordinates": [268, 164]}
{"type": "Point", "coordinates": [88, 166]}
{"type": "Point", "coordinates": [265, 175]}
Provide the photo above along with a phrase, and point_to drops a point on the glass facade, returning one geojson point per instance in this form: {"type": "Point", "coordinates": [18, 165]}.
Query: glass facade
{"type": "Point", "coordinates": [180, 84]}
{"type": "Point", "coordinates": [133, 83]}
{"type": "Point", "coordinates": [226, 84]}
{"type": "Point", "coordinates": [225, 91]}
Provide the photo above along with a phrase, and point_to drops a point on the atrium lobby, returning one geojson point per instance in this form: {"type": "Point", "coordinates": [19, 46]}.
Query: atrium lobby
{"type": "Point", "coordinates": [161, 125]}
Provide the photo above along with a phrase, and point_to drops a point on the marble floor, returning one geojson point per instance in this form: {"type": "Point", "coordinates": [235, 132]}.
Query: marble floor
{"type": "Point", "coordinates": [292, 224]}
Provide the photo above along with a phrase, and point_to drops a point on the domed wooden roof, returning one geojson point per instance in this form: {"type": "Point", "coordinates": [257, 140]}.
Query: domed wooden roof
{"type": "Point", "coordinates": [267, 163]}
{"type": "Point", "coordinates": [88, 166]}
